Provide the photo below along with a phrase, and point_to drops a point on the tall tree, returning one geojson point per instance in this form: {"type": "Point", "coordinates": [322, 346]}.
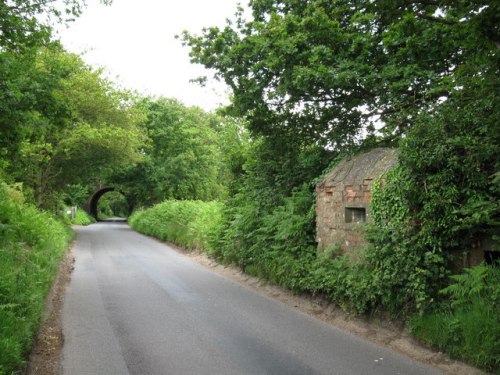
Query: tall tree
{"type": "Point", "coordinates": [325, 71]}
{"type": "Point", "coordinates": [27, 23]}
{"type": "Point", "coordinates": [182, 157]}
{"type": "Point", "coordinates": [73, 127]}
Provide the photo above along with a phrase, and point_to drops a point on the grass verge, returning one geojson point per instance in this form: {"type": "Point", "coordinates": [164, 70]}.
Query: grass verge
{"type": "Point", "coordinates": [82, 218]}
{"type": "Point", "coordinates": [31, 246]}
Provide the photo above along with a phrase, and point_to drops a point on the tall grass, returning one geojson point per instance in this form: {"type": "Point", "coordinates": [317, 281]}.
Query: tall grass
{"type": "Point", "coordinates": [82, 218]}
{"type": "Point", "coordinates": [467, 326]}
{"type": "Point", "coordinates": [31, 246]}
{"type": "Point", "coordinates": [186, 223]}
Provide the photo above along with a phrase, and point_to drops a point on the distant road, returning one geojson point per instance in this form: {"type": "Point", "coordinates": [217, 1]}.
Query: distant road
{"type": "Point", "coordinates": [114, 220]}
{"type": "Point", "coordinates": [135, 306]}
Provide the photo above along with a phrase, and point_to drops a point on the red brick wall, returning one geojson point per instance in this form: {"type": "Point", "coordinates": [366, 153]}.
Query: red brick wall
{"type": "Point", "coordinates": [331, 226]}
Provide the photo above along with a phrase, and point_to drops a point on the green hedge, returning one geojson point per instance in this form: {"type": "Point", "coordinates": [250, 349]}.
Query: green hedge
{"type": "Point", "coordinates": [31, 246]}
{"type": "Point", "coordinates": [186, 223]}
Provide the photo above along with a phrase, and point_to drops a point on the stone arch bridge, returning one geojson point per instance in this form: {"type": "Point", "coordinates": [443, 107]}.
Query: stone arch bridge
{"type": "Point", "coordinates": [91, 205]}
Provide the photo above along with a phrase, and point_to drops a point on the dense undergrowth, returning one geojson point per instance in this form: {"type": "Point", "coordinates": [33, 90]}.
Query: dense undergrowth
{"type": "Point", "coordinates": [31, 245]}
{"type": "Point", "coordinates": [185, 223]}
{"type": "Point", "coordinates": [81, 217]}
{"type": "Point", "coordinates": [466, 325]}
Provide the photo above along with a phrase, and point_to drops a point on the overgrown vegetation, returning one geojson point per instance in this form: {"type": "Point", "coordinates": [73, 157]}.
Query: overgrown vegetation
{"type": "Point", "coordinates": [426, 75]}
{"type": "Point", "coordinates": [31, 246]}
{"type": "Point", "coordinates": [185, 223]}
{"type": "Point", "coordinates": [283, 252]}
{"type": "Point", "coordinates": [441, 199]}
{"type": "Point", "coordinates": [336, 77]}
{"type": "Point", "coordinates": [82, 218]}
{"type": "Point", "coordinates": [467, 325]}
{"type": "Point", "coordinates": [113, 204]}
{"type": "Point", "coordinates": [188, 154]}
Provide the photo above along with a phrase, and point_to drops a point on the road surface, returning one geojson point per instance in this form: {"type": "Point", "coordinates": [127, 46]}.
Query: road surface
{"type": "Point", "coordinates": [135, 306]}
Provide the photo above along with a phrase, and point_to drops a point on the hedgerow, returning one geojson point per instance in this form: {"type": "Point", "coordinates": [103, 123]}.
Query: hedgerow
{"type": "Point", "coordinates": [185, 223]}
{"type": "Point", "coordinates": [466, 325]}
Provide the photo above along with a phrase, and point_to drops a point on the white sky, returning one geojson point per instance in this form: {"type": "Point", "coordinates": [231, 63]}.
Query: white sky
{"type": "Point", "coordinates": [134, 41]}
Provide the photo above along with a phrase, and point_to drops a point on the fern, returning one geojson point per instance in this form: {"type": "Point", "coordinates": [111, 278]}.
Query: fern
{"type": "Point", "coordinates": [481, 281]}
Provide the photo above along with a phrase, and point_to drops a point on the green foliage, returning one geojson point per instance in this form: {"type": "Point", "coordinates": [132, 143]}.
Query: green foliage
{"type": "Point", "coordinates": [31, 246]}
{"type": "Point", "coordinates": [113, 204]}
{"type": "Point", "coordinates": [467, 327]}
{"type": "Point", "coordinates": [277, 245]}
{"type": "Point", "coordinates": [427, 72]}
{"type": "Point", "coordinates": [76, 194]}
{"type": "Point", "coordinates": [347, 282]}
{"type": "Point", "coordinates": [481, 282]}
{"type": "Point", "coordinates": [82, 218]}
{"type": "Point", "coordinates": [233, 142]}
{"type": "Point", "coordinates": [406, 273]}
{"type": "Point", "coordinates": [60, 120]}
{"type": "Point", "coordinates": [75, 128]}
{"type": "Point", "coordinates": [85, 147]}
{"type": "Point", "coordinates": [322, 70]}
{"type": "Point", "coordinates": [308, 77]}
{"type": "Point", "coordinates": [186, 223]}
{"type": "Point", "coordinates": [442, 197]}
{"type": "Point", "coordinates": [27, 23]}
{"type": "Point", "coordinates": [183, 155]}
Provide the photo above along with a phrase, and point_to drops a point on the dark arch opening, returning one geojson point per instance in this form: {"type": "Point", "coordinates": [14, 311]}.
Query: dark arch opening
{"type": "Point", "coordinates": [95, 198]}
{"type": "Point", "coordinates": [93, 202]}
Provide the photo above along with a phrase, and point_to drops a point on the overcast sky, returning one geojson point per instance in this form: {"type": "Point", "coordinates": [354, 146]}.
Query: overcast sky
{"type": "Point", "coordinates": [134, 41]}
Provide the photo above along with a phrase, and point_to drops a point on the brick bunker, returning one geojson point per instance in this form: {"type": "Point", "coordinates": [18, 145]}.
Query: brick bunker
{"type": "Point", "coordinates": [343, 199]}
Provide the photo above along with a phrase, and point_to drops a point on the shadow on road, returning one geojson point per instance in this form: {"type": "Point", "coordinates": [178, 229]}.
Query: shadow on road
{"type": "Point", "coordinates": [114, 220]}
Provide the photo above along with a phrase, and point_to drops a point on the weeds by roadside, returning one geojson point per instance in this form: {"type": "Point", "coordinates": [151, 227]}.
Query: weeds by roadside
{"type": "Point", "coordinates": [185, 223]}
{"type": "Point", "coordinates": [467, 326]}
{"type": "Point", "coordinates": [31, 245]}
{"type": "Point", "coordinates": [82, 218]}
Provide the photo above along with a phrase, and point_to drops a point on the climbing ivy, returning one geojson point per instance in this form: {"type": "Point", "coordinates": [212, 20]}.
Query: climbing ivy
{"type": "Point", "coordinates": [440, 200]}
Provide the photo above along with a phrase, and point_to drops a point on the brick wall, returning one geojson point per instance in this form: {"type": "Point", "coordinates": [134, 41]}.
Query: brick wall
{"type": "Point", "coordinates": [343, 200]}
{"type": "Point", "coordinates": [333, 202]}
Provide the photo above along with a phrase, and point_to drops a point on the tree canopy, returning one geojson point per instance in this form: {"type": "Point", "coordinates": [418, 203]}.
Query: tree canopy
{"type": "Point", "coordinates": [329, 71]}
{"type": "Point", "coordinates": [27, 23]}
{"type": "Point", "coordinates": [61, 122]}
{"type": "Point", "coordinates": [188, 154]}
{"type": "Point", "coordinates": [73, 127]}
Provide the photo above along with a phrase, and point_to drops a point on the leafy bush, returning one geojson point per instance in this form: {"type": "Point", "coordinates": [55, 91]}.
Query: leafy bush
{"type": "Point", "coordinates": [31, 245]}
{"type": "Point", "coordinates": [467, 326]}
{"type": "Point", "coordinates": [185, 223]}
{"type": "Point", "coordinates": [442, 197]}
{"type": "Point", "coordinates": [277, 245]}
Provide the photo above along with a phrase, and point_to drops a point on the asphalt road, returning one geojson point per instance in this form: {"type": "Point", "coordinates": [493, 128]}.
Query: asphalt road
{"type": "Point", "coordinates": [135, 306]}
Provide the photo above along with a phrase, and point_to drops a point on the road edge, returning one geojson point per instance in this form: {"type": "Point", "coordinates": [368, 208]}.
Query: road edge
{"type": "Point", "coordinates": [45, 355]}
{"type": "Point", "coordinates": [383, 332]}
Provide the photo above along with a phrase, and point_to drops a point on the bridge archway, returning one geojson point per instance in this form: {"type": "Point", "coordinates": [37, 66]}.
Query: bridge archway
{"type": "Point", "coordinates": [92, 203]}
{"type": "Point", "coordinates": [94, 198]}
